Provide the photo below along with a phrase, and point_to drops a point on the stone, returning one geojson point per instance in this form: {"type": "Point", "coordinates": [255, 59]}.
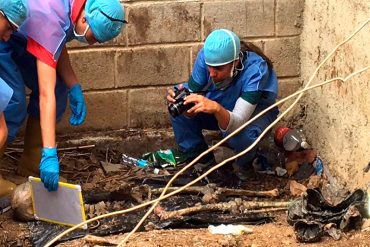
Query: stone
{"type": "Point", "coordinates": [22, 202]}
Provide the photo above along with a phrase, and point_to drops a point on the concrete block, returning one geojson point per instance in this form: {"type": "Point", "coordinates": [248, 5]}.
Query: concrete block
{"type": "Point", "coordinates": [284, 53]}
{"type": "Point", "coordinates": [260, 18]}
{"type": "Point", "coordinates": [105, 111]}
{"type": "Point", "coordinates": [163, 23]}
{"type": "Point", "coordinates": [230, 15]}
{"type": "Point", "coordinates": [258, 43]}
{"type": "Point", "coordinates": [288, 86]}
{"type": "Point", "coordinates": [153, 66]}
{"type": "Point", "coordinates": [94, 68]}
{"type": "Point", "coordinates": [148, 108]}
{"type": "Point", "coordinates": [289, 17]}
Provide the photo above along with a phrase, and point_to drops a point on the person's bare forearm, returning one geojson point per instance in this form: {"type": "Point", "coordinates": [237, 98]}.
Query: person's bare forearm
{"type": "Point", "coordinates": [65, 69]}
{"type": "Point", "coordinates": [222, 116]}
{"type": "Point", "coordinates": [47, 82]}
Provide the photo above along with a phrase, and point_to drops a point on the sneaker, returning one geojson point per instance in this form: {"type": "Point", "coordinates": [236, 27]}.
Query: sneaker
{"type": "Point", "coordinates": [241, 172]}
{"type": "Point", "coordinates": [204, 162]}
{"type": "Point", "coordinates": [261, 165]}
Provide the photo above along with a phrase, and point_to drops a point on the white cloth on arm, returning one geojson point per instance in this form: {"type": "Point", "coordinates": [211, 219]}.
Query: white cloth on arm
{"type": "Point", "coordinates": [241, 113]}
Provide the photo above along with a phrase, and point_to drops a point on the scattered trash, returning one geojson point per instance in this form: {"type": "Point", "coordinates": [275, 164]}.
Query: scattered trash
{"type": "Point", "coordinates": [156, 171]}
{"type": "Point", "coordinates": [296, 189]}
{"type": "Point", "coordinates": [292, 167]}
{"type": "Point", "coordinates": [161, 158]}
{"type": "Point", "coordinates": [133, 161]}
{"type": "Point", "coordinates": [319, 166]}
{"type": "Point", "coordinates": [290, 139]}
{"type": "Point", "coordinates": [229, 229]}
{"type": "Point", "coordinates": [280, 171]}
{"type": "Point", "coordinates": [310, 214]}
{"type": "Point", "coordinates": [304, 171]}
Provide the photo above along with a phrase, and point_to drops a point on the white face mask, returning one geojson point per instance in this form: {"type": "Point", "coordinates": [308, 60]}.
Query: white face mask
{"type": "Point", "coordinates": [81, 37]}
{"type": "Point", "coordinates": [225, 83]}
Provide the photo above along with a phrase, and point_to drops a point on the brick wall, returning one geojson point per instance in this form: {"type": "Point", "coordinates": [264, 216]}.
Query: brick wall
{"type": "Point", "coordinates": [125, 80]}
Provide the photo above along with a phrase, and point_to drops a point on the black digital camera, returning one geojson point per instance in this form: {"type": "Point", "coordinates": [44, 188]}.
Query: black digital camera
{"type": "Point", "coordinates": [177, 108]}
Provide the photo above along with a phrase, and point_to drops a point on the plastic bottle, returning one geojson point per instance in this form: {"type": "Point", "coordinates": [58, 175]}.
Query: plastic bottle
{"type": "Point", "coordinates": [294, 140]}
{"type": "Point", "coordinates": [133, 161]}
{"type": "Point", "coordinates": [290, 139]}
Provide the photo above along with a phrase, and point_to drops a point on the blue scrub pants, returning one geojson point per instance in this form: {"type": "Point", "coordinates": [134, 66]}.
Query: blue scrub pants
{"type": "Point", "coordinates": [18, 69]}
{"type": "Point", "coordinates": [189, 137]}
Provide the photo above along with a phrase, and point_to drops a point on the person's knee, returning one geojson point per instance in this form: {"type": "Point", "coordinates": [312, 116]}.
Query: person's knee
{"type": "Point", "coordinates": [244, 139]}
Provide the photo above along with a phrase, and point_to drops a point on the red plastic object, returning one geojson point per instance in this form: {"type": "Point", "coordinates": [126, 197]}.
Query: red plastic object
{"type": "Point", "coordinates": [279, 135]}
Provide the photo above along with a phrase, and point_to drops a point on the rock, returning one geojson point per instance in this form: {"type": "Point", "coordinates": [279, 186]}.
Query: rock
{"type": "Point", "coordinates": [22, 202]}
{"type": "Point", "coordinates": [296, 189]}
{"type": "Point", "coordinates": [280, 171]}
{"type": "Point", "coordinates": [110, 168]}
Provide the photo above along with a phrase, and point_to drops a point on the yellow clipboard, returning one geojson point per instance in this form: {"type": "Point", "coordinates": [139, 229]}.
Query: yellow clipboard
{"type": "Point", "coordinates": [64, 206]}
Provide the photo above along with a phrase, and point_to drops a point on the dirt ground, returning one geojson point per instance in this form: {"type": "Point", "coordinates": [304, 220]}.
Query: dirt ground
{"type": "Point", "coordinates": [84, 167]}
{"type": "Point", "coordinates": [278, 233]}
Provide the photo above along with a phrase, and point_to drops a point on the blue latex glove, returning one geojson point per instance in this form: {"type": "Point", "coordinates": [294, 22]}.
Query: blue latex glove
{"type": "Point", "coordinates": [49, 168]}
{"type": "Point", "coordinates": [77, 105]}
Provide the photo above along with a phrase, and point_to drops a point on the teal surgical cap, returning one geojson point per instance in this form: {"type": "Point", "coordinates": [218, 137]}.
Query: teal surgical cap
{"type": "Point", "coordinates": [221, 47]}
{"type": "Point", "coordinates": [105, 18]}
{"type": "Point", "coordinates": [15, 10]}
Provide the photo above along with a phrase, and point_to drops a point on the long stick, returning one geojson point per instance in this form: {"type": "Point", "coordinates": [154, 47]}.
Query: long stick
{"type": "Point", "coordinates": [220, 191]}
{"type": "Point", "coordinates": [244, 207]}
{"type": "Point", "coordinates": [307, 88]}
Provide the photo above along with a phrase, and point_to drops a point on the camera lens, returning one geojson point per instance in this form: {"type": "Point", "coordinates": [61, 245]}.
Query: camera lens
{"type": "Point", "coordinates": [178, 107]}
{"type": "Point", "coordinates": [174, 111]}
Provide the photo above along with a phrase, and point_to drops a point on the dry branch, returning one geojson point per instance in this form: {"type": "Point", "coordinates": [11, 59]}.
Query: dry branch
{"type": "Point", "coordinates": [235, 207]}
{"type": "Point", "coordinates": [91, 239]}
{"type": "Point", "coordinates": [211, 193]}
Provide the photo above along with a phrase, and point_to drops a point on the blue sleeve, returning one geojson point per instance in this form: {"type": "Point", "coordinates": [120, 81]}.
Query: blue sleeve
{"type": "Point", "coordinates": [200, 74]}
{"type": "Point", "coordinates": [256, 77]}
{"type": "Point", "coordinates": [5, 95]}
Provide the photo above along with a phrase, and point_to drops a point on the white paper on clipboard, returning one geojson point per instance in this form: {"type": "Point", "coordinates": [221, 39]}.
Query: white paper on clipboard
{"type": "Point", "coordinates": [64, 206]}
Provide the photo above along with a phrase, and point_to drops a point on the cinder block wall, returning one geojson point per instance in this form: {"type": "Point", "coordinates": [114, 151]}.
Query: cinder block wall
{"type": "Point", "coordinates": [125, 80]}
{"type": "Point", "coordinates": [337, 115]}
